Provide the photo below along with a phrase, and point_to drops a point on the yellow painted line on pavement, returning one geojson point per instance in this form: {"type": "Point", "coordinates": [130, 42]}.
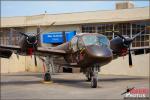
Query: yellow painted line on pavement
{"type": "Point", "coordinates": [47, 82]}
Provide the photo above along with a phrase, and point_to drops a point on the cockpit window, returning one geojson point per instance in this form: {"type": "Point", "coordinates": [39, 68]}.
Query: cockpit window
{"type": "Point", "coordinates": [95, 40]}
{"type": "Point", "coordinates": [103, 40]}
{"type": "Point", "coordinates": [74, 44]}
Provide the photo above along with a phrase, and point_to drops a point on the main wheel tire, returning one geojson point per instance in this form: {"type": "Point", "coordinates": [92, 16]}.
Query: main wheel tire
{"type": "Point", "coordinates": [94, 82]}
{"type": "Point", "coordinates": [47, 77]}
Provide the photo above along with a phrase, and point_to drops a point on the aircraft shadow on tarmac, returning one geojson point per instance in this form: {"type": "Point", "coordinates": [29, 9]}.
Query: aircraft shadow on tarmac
{"type": "Point", "coordinates": [82, 83]}
{"type": "Point", "coordinates": [78, 83]}
{"type": "Point", "coordinates": [27, 82]}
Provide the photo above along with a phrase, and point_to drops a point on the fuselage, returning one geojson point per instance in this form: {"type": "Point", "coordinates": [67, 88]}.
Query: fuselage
{"type": "Point", "coordinates": [88, 49]}
{"type": "Point", "coordinates": [84, 49]}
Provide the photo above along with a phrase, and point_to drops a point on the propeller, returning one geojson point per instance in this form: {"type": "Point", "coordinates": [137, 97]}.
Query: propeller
{"type": "Point", "coordinates": [130, 57]}
{"type": "Point", "coordinates": [35, 60]}
{"type": "Point", "coordinates": [34, 40]}
{"type": "Point", "coordinates": [38, 42]}
{"type": "Point", "coordinates": [24, 34]}
{"type": "Point", "coordinates": [127, 43]}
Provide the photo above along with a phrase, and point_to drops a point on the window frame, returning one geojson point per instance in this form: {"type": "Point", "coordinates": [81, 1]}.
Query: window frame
{"type": "Point", "coordinates": [74, 44]}
{"type": "Point", "coordinates": [83, 45]}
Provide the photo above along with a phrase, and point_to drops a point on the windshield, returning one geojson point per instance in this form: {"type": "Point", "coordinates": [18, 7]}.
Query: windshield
{"type": "Point", "coordinates": [95, 40]}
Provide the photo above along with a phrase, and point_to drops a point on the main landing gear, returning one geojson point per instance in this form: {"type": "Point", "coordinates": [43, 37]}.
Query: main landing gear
{"type": "Point", "coordinates": [49, 65]}
{"type": "Point", "coordinates": [47, 76]}
{"type": "Point", "coordinates": [92, 75]}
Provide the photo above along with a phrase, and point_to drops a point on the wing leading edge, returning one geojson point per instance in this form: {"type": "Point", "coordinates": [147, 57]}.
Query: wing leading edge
{"type": "Point", "coordinates": [42, 51]}
{"type": "Point", "coordinates": [10, 47]}
{"type": "Point", "coordinates": [7, 50]}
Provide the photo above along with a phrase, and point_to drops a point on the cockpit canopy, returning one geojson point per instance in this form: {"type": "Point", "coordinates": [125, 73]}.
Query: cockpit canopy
{"type": "Point", "coordinates": [80, 41]}
{"type": "Point", "coordinates": [95, 40]}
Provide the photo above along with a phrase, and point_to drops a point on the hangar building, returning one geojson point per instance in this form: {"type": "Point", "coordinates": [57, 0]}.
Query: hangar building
{"type": "Point", "coordinates": [125, 19]}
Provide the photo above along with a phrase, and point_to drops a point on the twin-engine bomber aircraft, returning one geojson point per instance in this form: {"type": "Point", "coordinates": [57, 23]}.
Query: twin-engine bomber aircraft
{"type": "Point", "coordinates": [89, 51]}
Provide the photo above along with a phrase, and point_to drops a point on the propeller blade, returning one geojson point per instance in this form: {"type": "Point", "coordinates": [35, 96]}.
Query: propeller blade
{"type": "Point", "coordinates": [130, 57]}
{"type": "Point", "coordinates": [137, 34]}
{"type": "Point", "coordinates": [38, 36]}
{"type": "Point", "coordinates": [35, 60]}
{"type": "Point", "coordinates": [38, 30]}
{"type": "Point", "coordinates": [121, 36]}
{"type": "Point", "coordinates": [24, 34]}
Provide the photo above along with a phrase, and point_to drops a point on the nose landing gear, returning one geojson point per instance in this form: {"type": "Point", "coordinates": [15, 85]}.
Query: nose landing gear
{"type": "Point", "coordinates": [94, 78]}
{"type": "Point", "coordinates": [92, 75]}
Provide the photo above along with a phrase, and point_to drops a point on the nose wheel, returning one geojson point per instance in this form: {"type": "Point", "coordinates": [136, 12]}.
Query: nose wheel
{"type": "Point", "coordinates": [92, 75]}
{"type": "Point", "coordinates": [94, 80]}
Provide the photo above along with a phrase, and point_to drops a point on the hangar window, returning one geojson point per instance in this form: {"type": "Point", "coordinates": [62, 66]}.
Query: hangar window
{"type": "Point", "coordinates": [144, 38]}
{"type": "Point", "coordinates": [105, 29]}
{"type": "Point", "coordinates": [129, 29]}
{"type": "Point", "coordinates": [88, 29]}
{"type": "Point", "coordinates": [10, 36]}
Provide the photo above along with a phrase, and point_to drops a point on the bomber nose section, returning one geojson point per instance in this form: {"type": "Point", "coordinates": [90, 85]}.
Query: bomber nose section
{"type": "Point", "coordinates": [99, 53]}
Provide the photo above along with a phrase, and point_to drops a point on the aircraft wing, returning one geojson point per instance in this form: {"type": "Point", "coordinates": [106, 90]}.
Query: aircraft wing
{"type": "Point", "coordinates": [43, 51]}
{"type": "Point", "coordinates": [7, 50]}
{"type": "Point", "coordinates": [10, 47]}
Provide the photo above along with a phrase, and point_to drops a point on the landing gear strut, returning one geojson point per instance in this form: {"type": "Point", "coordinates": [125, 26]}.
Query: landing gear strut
{"type": "Point", "coordinates": [49, 65]}
{"type": "Point", "coordinates": [92, 75]}
{"type": "Point", "coordinates": [88, 76]}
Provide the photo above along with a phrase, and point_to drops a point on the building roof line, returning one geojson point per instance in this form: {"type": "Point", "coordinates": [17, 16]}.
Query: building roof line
{"type": "Point", "coordinates": [78, 12]}
{"type": "Point", "coordinates": [78, 18]}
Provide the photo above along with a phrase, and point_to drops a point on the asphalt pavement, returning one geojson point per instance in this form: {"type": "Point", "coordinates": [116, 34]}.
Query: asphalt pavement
{"type": "Point", "coordinates": [67, 86]}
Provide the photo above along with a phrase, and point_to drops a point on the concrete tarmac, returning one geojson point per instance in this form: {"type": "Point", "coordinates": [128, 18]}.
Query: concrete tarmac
{"type": "Point", "coordinates": [67, 86]}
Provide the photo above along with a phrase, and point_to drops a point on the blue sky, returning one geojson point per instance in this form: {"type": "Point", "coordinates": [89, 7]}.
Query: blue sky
{"type": "Point", "coordinates": [27, 8]}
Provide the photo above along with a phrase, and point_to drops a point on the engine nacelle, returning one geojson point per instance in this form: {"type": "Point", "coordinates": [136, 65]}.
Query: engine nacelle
{"type": "Point", "coordinates": [5, 53]}
{"type": "Point", "coordinates": [118, 46]}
